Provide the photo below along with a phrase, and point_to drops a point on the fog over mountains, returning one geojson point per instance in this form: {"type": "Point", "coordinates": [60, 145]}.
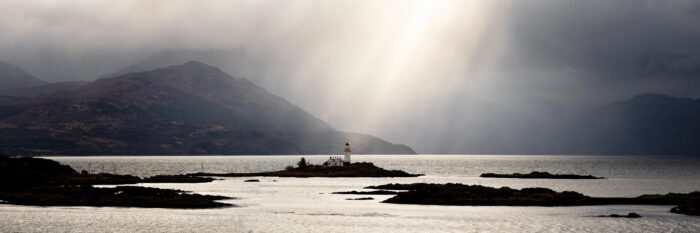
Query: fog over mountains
{"type": "Point", "coordinates": [191, 108]}
{"type": "Point", "coordinates": [13, 77]}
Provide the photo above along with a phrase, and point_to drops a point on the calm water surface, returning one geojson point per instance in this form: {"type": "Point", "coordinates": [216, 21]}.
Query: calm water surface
{"type": "Point", "coordinates": [306, 205]}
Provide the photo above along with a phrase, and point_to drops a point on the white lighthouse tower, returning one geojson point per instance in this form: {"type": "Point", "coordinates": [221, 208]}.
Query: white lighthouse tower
{"type": "Point", "coordinates": [346, 153]}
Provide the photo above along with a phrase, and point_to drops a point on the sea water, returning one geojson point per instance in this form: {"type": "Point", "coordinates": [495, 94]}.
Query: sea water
{"type": "Point", "coordinates": [306, 204]}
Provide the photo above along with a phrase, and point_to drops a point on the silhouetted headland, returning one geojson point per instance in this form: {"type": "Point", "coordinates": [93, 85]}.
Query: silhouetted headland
{"type": "Point", "coordinates": [687, 209]}
{"type": "Point", "coordinates": [539, 175]}
{"type": "Point", "coordinates": [43, 182]}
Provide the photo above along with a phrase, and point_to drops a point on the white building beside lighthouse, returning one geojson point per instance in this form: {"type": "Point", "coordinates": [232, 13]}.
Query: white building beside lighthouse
{"type": "Point", "coordinates": [337, 161]}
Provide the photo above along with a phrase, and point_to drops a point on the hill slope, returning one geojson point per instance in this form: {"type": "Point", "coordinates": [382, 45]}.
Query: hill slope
{"type": "Point", "coordinates": [186, 109]}
{"type": "Point", "coordinates": [12, 77]}
{"type": "Point", "coordinates": [647, 124]}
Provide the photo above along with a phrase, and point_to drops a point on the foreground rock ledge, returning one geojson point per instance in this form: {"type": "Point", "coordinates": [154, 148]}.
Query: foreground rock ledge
{"type": "Point", "coordinates": [351, 170]}
{"type": "Point", "coordinates": [539, 175]}
{"type": "Point", "coordinates": [477, 195]}
{"type": "Point", "coordinates": [125, 196]}
{"type": "Point", "coordinates": [43, 182]}
{"type": "Point", "coordinates": [687, 209]}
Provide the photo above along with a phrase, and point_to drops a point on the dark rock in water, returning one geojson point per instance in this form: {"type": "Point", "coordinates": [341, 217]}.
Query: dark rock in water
{"type": "Point", "coordinates": [477, 195]}
{"type": "Point", "coordinates": [177, 179]}
{"type": "Point", "coordinates": [687, 209]}
{"type": "Point", "coordinates": [119, 196]}
{"type": "Point", "coordinates": [252, 180]}
{"type": "Point", "coordinates": [351, 170]}
{"type": "Point", "coordinates": [27, 171]}
{"type": "Point", "coordinates": [376, 192]}
{"type": "Point", "coordinates": [43, 182]}
{"type": "Point", "coordinates": [360, 199]}
{"type": "Point", "coordinates": [19, 172]}
{"type": "Point", "coordinates": [539, 175]}
{"type": "Point", "coordinates": [101, 178]}
{"type": "Point", "coordinates": [629, 215]}
{"type": "Point", "coordinates": [414, 186]}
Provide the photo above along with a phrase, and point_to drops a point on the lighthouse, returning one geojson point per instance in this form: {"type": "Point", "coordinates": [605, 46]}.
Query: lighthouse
{"type": "Point", "coordinates": [346, 153]}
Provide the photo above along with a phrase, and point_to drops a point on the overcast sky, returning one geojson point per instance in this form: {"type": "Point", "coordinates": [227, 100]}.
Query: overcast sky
{"type": "Point", "coordinates": [358, 64]}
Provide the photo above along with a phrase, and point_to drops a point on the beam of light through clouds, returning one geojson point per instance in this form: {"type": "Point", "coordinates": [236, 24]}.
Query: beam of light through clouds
{"type": "Point", "coordinates": [409, 71]}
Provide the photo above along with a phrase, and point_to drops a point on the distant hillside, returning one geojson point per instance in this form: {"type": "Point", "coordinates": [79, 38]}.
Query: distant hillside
{"type": "Point", "coordinates": [647, 124]}
{"type": "Point", "coordinates": [12, 77]}
{"type": "Point", "coordinates": [44, 89]}
{"type": "Point", "coordinates": [229, 60]}
{"type": "Point", "coordinates": [191, 108]}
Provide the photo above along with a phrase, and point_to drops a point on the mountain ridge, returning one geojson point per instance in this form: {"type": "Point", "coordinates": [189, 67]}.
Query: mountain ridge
{"type": "Point", "coordinates": [191, 108]}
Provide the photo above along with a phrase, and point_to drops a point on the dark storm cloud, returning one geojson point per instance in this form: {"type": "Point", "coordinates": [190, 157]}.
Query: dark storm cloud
{"type": "Point", "coordinates": [636, 44]}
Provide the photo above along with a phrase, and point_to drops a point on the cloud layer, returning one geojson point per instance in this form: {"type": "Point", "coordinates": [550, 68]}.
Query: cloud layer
{"type": "Point", "coordinates": [378, 66]}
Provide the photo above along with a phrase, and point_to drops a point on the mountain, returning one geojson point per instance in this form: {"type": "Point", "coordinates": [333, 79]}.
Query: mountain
{"type": "Point", "coordinates": [229, 60]}
{"type": "Point", "coordinates": [647, 124]}
{"type": "Point", "coordinates": [191, 108]}
{"type": "Point", "coordinates": [44, 89]}
{"type": "Point", "coordinates": [12, 77]}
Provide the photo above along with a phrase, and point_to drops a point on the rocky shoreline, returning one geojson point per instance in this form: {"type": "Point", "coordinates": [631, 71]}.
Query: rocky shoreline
{"type": "Point", "coordinates": [43, 182]}
{"type": "Point", "coordinates": [349, 170]}
{"type": "Point", "coordinates": [687, 209]}
{"type": "Point", "coordinates": [122, 196]}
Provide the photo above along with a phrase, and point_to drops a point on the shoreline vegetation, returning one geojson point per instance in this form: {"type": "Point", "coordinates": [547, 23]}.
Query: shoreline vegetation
{"type": "Point", "coordinates": [304, 170]}
{"type": "Point", "coordinates": [43, 182]}
{"type": "Point", "coordinates": [477, 195]}
{"type": "Point", "coordinates": [539, 175]}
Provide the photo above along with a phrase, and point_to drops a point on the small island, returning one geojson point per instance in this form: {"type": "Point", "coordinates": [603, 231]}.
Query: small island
{"type": "Point", "coordinates": [628, 215]}
{"type": "Point", "coordinates": [43, 182]}
{"type": "Point", "coordinates": [350, 170]}
{"type": "Point", "coordinates": [477, 195]}
{"type": "Point", "coordinates": [375, 192]}
{"type": "Point", "coordinates": [539, 175]}
{"type": "Point", "coordinates": [332, 168]}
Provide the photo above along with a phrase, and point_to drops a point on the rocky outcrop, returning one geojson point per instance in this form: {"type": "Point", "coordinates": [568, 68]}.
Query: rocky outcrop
{"type": "Point", "coordinates": [687, 209]}
{"type": "Point", "coordinates": [43, 182]}
{"type": "Point", "coordinates": [539, 175]}
{"type": "Point", "coordinates": [375, 192]}
{"type": "Point", "coordinates": [628, 215]}
{"type": "Point", "coordinates": [477, 195]}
